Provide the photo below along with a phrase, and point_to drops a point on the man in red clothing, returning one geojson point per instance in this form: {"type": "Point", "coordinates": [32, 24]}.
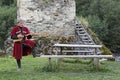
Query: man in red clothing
{"type": "Point", "coordinates": [23, 46]}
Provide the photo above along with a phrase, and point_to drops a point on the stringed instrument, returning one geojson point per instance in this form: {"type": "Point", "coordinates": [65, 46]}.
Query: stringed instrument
{"type": "Point", "coordinates": [28, 36]}
{"type": "Point", "coordinates": [17, 40]}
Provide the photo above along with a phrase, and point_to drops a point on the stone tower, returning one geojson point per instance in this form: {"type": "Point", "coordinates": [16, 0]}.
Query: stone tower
{"type": "Point", "coordinates": [48, 17]}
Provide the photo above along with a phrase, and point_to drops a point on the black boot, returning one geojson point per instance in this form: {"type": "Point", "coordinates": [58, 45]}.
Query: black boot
{"type": "Point", "coordinates": [34, 52]}
{"type": "Point", "coordinates": [19, 64]}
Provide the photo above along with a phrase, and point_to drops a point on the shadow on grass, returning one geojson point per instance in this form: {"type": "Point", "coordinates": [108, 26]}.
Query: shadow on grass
{"type": "Point", "coordinates": [51, 68]}
{"type": "Point", "coordinates": [71, 66]}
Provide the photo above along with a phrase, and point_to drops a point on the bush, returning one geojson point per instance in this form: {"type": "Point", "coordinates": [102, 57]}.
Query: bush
{"type": "Point", "coordinates": [7, 16]}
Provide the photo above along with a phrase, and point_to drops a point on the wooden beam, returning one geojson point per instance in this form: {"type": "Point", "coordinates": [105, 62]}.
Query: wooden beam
{"type": "Point", "coordinates": [77, 45]}
{"type": "Point", "coordinates": [76, 56]}
{"type": "Point", "coordinates": [81, 51]}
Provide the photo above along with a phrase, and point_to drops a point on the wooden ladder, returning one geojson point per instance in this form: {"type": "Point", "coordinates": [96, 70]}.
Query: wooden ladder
{"type": "Point", "coordinates": [83, 37]}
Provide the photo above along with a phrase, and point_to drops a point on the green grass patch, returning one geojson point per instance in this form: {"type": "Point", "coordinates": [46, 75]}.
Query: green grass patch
{"type": "Point", "coordinates": [38, 69]}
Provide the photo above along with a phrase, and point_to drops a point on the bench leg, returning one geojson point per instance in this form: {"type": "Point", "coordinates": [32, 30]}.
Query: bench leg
{"type": "Point", "coordinates": [96, 63]}
{"type": "Point", "coordinates": [49, 61]}
{"type": "Point", "coordinates": [96, 60]}
{"type": "Point", "coordinates": [57, 61]}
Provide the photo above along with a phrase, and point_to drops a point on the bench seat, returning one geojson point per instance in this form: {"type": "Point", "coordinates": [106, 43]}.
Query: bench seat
{"type": "Point", "coordinates": [81, 51]}
{"type": "Point", "coordinates": [76, 56]}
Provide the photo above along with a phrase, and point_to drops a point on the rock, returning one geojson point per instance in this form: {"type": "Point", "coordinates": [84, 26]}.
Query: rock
{"type": "Point", "coordinates": [53, 17]}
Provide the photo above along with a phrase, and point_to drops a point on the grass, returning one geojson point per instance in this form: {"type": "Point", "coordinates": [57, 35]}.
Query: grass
{"type": "Point", "coordinates": [33, 69]}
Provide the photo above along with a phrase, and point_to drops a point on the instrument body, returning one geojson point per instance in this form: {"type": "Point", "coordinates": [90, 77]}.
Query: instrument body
{"type": "Point", "coordinates": [25, 37]}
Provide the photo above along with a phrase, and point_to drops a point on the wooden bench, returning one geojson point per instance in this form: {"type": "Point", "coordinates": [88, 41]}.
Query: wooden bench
{"type": "Point", "coordinates": [60, 49]}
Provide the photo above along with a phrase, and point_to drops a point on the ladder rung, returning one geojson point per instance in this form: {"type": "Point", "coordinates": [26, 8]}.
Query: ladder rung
{"type": "Point", "coordinates": [82, 34]}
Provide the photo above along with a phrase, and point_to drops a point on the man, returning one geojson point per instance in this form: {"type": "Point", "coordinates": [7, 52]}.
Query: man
{"type": "Point", "coordinates": [23, 46]}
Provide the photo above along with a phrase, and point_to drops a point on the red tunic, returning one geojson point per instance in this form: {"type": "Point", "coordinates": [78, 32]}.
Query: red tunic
{"type": "Point", "coordinates": [18, 51]}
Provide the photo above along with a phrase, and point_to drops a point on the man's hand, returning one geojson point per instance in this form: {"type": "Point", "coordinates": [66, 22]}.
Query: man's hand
{"type": "Point", "coordinates": [20, 36]}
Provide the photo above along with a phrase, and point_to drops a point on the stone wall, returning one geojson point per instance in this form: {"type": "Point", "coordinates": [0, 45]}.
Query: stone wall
{"type": "Point", "coordinates": [48, 17]}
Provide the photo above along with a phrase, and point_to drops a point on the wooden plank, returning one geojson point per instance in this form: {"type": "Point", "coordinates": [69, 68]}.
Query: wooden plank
{"type": "Point", "coordinates": [77, 45]}
{"type": "Point", "coordinates": [76, 56]}
{"type": "Point", "coordinates": [81, 51]}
